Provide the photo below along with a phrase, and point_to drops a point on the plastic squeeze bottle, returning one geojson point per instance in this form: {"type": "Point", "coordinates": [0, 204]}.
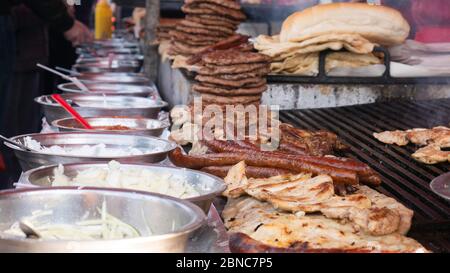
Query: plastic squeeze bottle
{"type": "Point", "coordinates": [103, 20]}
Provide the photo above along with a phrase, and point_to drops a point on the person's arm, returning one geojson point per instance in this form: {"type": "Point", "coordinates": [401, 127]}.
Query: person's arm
{"type": "Point", "coordinates": [55, 13]}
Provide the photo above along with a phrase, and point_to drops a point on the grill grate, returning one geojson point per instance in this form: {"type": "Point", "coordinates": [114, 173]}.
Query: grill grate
{"type": "Point", "coordinates": [403, 178]}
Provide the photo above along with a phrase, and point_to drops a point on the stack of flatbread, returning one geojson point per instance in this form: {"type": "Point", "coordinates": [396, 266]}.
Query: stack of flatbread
{"type": "Point", "coordinates": [206, 23]}
{"type": "Point", "coordinates": [232, 77]}
{"type": "Point", "coordinates": [350, 29]}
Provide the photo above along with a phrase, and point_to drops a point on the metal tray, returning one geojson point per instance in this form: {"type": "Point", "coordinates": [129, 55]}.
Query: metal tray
{"type": "Point", "coordinates": [164, 223]}
{"type": "Point", "coordinates": [114, 66]}
{"type": "Point", "coordinates": [138, 126]}
{"type": "Point", "coordinates": [98, 106]}
{"type": "Point", "coordinates": [112, 89]}
{"type": "Point", "coordinates": [207, 185]}
{"type": "Point", "coordinates": [30, 160]}
{"type": "Point", "coordinates": [116, 78]}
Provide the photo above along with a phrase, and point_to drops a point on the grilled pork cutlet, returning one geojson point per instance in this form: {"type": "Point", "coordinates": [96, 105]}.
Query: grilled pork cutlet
{"type": "Point", "coordinates": [313, 233]}
{"type": "Point", "coordinates": [367, 210]}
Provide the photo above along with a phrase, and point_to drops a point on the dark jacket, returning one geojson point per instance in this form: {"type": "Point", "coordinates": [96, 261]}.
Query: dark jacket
{"type": "Point", "coordinates": [31, 39]}
{"type": "Point", "coordinates": [54, 12]}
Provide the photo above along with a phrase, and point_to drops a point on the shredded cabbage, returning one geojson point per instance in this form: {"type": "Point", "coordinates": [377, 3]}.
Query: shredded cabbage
{"type": "Point", "coordinates": [130, 178]}
{"type": "Point", "coordinates": [107, 227]}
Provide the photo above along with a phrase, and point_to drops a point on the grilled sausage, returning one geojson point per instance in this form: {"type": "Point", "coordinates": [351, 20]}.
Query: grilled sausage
{"type": "Point", "coordinates": [250, 171]}
{"type": "Point", "coordinates": [261, 160]}
{"type": "Point", "coordinates": [366, 174]}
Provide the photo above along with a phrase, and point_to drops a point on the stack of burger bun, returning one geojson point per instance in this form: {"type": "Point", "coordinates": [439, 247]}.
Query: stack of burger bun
{"type": "Point", "coordinates": [351, 29]}
{"type": "Point", "coordinates": [206, 23]}
{"type": "Point", "coordinates": [232, 77]}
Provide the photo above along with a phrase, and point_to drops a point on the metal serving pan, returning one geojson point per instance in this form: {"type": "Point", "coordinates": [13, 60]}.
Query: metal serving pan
{"type": "Point", "coordinates": [116, 78]}
{"type": "Point", "coordinates": [105, 60]}
{"type": "Point", "coordinates": [110, 89]}
{"type": "Point", "coordinates": [138, 126]}
{"type": "Point", "coordinates": [105, 66]}
{"type": "Point", "coordinates": [98, 106]}
{"type": "Point", "coordinates": [207, 185]}
{"type": "Point", "coordinates": [164, 223]}
{"type": "Point", "coordinates": [30, 160]}
{"type": "Point", "coordinates": [103, 52]}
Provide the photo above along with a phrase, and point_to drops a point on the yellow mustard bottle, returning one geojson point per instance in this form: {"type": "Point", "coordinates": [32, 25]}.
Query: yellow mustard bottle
{"type": "Point", "coordinates": [103, 20]}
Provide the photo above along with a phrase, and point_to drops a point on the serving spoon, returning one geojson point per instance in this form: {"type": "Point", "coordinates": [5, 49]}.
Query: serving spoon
{"type": "Point", "coordinates": [17, 144]}
{"type": "Point", "coordinates": [75, 81]}
{"type": "Point", "coordinates": [71, 111]}
{"type": "Point", "coordinates": [29, 231]}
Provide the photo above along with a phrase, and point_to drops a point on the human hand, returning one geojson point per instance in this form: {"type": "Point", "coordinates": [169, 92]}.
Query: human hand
{"type": "Point", "coordinates": [78, 34]}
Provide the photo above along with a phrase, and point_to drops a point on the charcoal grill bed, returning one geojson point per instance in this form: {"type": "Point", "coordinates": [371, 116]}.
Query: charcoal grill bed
{"type": "Point", "coordinates": [403, 178]}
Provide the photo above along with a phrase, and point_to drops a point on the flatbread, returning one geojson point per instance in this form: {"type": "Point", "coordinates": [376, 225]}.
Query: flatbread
{"type": "Point", "coordinates": [271, 46]}
{"type": "Point", "coordinates": [233, 57]}
{"type": "Point", "coordinates": [229, 92]}
{"type": "Point", "coordinates": [231, 83]}
{"type": "Point", "coordinates": [308, 64]}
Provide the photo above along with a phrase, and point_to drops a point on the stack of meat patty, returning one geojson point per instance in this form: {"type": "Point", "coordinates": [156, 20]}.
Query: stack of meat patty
{"type": "Point", "coordinates": [206, 23]}
{"type": "Point", "coordinates": [164, 27]}
{"type": "Point", "coordinates": [232, 77]}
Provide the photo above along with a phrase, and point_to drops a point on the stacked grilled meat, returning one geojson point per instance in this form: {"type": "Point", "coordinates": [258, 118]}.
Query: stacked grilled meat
{"type": "Point", "coordinates": [297, 197]}
{"type": "Point", "coordinates": [165, 26]}
{"type": "Point", "coordinates": [232, 77]}
{"type": "Point", "coordinates": [206, 23]}
{"type": "Point", "coordinates": [298, 151]}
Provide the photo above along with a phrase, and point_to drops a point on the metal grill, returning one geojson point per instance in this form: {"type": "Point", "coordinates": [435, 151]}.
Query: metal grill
{"type": "Point", "coordinates": [403, 178]}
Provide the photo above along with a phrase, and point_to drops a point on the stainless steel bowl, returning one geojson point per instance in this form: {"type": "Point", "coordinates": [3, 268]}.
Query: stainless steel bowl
{"type": "Point", "coordinates": [116, 78]}
{"type": "Point", "coordinates": [112, 89]}
{"type": "Point", "coordinates": [103, 52]}
{"type": "Point", "coordinates": [114, 66]}
{"type": "Point", "coordinates": [164, 223]}
{"type": "Point", "coordinates": [98, 106]}
{"type": "Point", "coordinates": [30, 160]}
{"type": "Point", "coordinates": [209, 186]}
{"type": "Point", "coordinates": [84, 60]}
{"type": "Point", "coordinates": [138, 126]}
{"type": "Point", "coordinates": [106, 60]}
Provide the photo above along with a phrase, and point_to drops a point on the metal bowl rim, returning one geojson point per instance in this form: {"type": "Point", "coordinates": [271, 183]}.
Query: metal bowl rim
{"type": "Point", "coordinates": [171, 144]}
{"type": "Point", "coordinates": [437, 179]}
{"type": "Point", "coordinates": [161, 103]}
{"type": "Point", "coordinates": [218, 181]}
{"type": "Point", "coordinates": [164, 126]}
{"type": "Point", "coordinates": [199, 217]}
{"type": "Point", "coordinates": [65, 87]}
